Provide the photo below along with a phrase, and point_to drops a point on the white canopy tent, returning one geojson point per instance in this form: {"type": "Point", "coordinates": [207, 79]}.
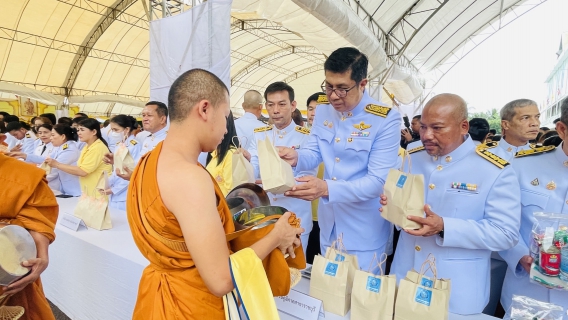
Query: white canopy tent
{"type": "Point", "coordinates": [96, 52]}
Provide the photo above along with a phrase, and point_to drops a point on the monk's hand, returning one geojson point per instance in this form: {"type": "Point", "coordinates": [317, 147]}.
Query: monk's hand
{"type": "Point", "coordinates": [289, 155]}
{"type": "Point", "coordinates": [108, 158]}
{"type": "Point", "coordinates": [37, 266]}
{"type": "Point", "coordinates": [16, 154]}
{"type": "Point", "coordinates": [526, 262]}
{"type": "Point", "coordinates": [289, 236]}
{"type": "Point", "coordinates": [126, 175]}
{"type": "Point", "coordinates": [432, 224]}
{"type": "Point", "coordinates": [383, 202]}
{"type": "Point", "coordinates": [312, 188]}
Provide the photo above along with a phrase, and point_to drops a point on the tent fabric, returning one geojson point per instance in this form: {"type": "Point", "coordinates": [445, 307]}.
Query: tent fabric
{"type": "Point", "coordinates": [98, 51]}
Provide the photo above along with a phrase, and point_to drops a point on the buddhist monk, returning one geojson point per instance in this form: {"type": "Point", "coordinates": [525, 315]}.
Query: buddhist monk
{"type": "Point", "coordinates": [28, 202]}
{"type": "Point", "coordinates": [178, 215]}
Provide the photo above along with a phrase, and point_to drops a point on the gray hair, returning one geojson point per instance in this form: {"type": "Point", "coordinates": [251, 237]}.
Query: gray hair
{"type": "Point", "coordinates": [564, 112]}
{"type": "Point", "coordinates": [508, 111]}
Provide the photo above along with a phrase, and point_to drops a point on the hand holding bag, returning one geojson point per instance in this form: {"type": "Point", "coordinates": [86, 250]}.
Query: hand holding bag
{"type": "Point", "coordinates": [122, 159]}
{"type": "Point", "coordinates": [372, 297]}
{"type": "Point", "coordinates": [276, 174]}
{"type": "Point", "coordinates": [421, 297]}
{"type": "Point", "coordinates": [45, 167]}
{"type": "Point", "coordinates": [405, 196]}
{"type": "Point", "coordinates": [243, 172]}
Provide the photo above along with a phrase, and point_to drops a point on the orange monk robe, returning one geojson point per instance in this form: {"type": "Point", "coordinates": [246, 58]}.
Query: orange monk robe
{"type": "Point", "coordinates": [28, 202]}
{"type": "Point", "coordinates": [170, 287]}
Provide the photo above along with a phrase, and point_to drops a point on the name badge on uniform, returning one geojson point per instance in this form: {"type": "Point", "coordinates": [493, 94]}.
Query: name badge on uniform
{"type": "Point", "coordinates": [401, 181]}
{"type": "Point", "coordinates": [423, 296]}
{"type": "Point", "coordinates": [373, 284]}
{"type": "Point", "coordinates": [331, 269]}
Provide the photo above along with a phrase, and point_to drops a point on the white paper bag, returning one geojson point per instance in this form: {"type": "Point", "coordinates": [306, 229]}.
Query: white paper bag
{"type": "Point", "coordinates": [276, 174]}
{"type": "Point", "coordinates": [243, 172]}
{"type": "Point", "coordinates": [122, 158]}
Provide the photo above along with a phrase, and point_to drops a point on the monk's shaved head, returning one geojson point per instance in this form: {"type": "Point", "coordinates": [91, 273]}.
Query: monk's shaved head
{"type": "Point", "coordinates": [192, 87]}
{"type": "Point", "coordinates": [451, 103]}
{"type": "Point", "coordinates": [252, 100]}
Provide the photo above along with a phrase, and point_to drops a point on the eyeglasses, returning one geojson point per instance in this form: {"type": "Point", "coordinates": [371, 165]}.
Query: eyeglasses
{"type": "Point", "coordinates": [340, 92]}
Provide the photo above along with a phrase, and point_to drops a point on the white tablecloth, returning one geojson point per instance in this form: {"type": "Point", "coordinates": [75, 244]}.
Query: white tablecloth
{"type": "Point", "coordinates": [95, 274]}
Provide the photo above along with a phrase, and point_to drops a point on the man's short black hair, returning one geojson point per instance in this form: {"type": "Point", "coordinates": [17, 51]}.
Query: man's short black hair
{"type": "Point", "coordinates": [417, 117]}
{"type": "Point", "coordinates": [297, 117]}
{"type": "Point", "coordinates": [314, 97]}
{"type": "Point", "coordinates": [348, 59]}
{"type": "Point", "coordinates": [277, 87]}
{"type": "Point", "coordinates": [493, 131]}
{"type": "Point", "coordinates": [50, 116]}
{"type": "Point", "coordinates": [478, 129]}
{"type": "Point", "coordinates": [11, 118]}
{"type": "Point", "coordinates": [556, 120]}
{"type": "Point", "coordinates": [4, 114]}
{"type": "Point", "coordinates": [14, 125]}
{"type": "Point", "coordinates": [545, 128]}
{"type": "Point", "coordinates": [162, 109]}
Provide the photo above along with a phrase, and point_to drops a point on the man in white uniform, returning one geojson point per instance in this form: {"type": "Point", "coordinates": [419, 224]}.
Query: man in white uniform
{"type": "Point", "coordinates": [252, 104]}
{"type": "Point", "coordinates": [154, 120]}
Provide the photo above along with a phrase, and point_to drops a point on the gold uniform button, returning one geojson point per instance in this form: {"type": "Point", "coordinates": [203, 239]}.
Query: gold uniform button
{"type": "Point", "coordinates": [566, 163]}
{"type": "Point", "coordinates": [337, 139]}
{"type": "Point", "coordinates": [435, 158]}
{"type": "Point", "coordinates": [509, 149]}
{"type": "Point", "coordinates": [431, 186]}
{"type": "Point", "coordinates": [439, 168]}
{"type": "Point", "coordinates": [417, 248]}
{"type": "Point", "coordinates": [336, 159]}
{"type": "Point", "coordinates": [448, 159]}
{"type": "Point", "coordinates": [566, 201]}
{"type": "Point", "coordinates": [334, 178]}
{"type": "Point", "coordinates": [274, 199]}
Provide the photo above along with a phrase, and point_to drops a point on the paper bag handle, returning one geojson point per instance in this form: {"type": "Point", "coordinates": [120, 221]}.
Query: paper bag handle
{"type": "Point", "coordinates": [430, 262]}
{"type": "Point", "coordinates": [404, 158]}
{"type": "Point", "coordinates": [380, 263]}
{"type": "Point", "coordinates": [239, 145]}
{"type": "Point", "coordinates": [337, 245]}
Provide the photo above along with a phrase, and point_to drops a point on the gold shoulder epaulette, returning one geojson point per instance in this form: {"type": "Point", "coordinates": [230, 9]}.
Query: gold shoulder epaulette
{"type": "Point", "coordinates": [65, 146]}
{"type": "Point", "coordinates": [413, 150]}
{"type": "Point", "coordinates": [28, 135]}
{"type": "Point", "coordinates": [491, 157]}
{"type": "Point", "coordinates": [534, 151]}
{"type": "Point", "coordinates": [378, 110]}
{"type": "Point", "coordinates": [302, 130]}
{"type": "Point", "coordinates": [262, 129]}
{"type": "Point", "coordinates": [488, 145]}
{"type": "Point", "coordinates": [322, 99]}
{"type": "Point", "coordinates": [134, 142]}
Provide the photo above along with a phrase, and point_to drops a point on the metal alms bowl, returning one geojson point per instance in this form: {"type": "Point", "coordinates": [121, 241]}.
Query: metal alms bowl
{"type": "Point", "coordinates": [25, 247]}
{"type": "Point", "coordinates": [253, 195]}
{"type": "Point", "coordinates": [264, 211]}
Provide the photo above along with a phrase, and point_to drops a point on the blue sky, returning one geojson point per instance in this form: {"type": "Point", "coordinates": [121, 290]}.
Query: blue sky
{"type": "Point", "coordinates": [514, 63]}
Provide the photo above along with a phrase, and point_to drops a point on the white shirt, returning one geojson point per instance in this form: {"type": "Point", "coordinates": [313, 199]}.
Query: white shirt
{"type": "Point", "coordinates": [245, 128]}
{"type": "Point", "coordinates": [142, 135]}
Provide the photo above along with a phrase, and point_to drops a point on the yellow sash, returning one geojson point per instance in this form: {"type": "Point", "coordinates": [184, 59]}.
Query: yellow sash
{"type": "Point", "coordinates": [251, 288]}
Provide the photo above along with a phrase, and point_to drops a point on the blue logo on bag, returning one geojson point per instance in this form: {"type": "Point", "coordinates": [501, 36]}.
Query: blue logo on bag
{"type": "Point", "coordinates": [373, 284]}
{"type": "Point", "coordinates": [401, 181]}
{"type": "Point", "coordinates": [331, 269]}
{"type": "Point", "coordinates": [423, 296]}
{"type": "Point", "coordinates": [427, 283]}
{"type": "Point", "coordinates": [339, 257]}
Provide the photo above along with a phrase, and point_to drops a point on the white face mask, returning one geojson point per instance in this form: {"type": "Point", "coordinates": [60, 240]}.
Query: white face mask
{"type": "Point", "coordinates": [116, 137]}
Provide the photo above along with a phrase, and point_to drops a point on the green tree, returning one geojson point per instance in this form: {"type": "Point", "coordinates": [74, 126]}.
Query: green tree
{"type": "Point", "coordinates": [492, 116]}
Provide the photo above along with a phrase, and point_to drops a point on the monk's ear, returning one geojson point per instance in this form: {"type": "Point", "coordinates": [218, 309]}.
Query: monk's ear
{"type": "Point", "coordinates": [204, 109]}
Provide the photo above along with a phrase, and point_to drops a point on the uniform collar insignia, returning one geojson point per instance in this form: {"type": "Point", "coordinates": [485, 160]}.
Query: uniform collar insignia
{"type": "Point", "coordinates": [535, 182]}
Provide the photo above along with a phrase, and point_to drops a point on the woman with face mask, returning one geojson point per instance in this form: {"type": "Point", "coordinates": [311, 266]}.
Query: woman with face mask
{"type": "Point", "coordinates": [121, 132]}
{"type": "Point", "coordinates": [42, 146]}
{"type": "Point", "coordinates": [65, 151]}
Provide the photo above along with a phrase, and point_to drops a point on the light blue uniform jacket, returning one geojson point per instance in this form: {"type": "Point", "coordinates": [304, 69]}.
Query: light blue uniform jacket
{"type": "Point", "coordinates": [67, 153]}
{"type": "Point", "coordinates": [535, 173]}
{"type": "Point", "coordinates": [475, 223]}
{"type": "Point", "coordinates": [37, 156]}
{"type": "Point", "coordinates": [357, 148]}
{"type": "Point", "coordinates": [292, 136]}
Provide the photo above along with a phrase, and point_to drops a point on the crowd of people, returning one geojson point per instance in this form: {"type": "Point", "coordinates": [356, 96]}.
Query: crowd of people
{"type": "Point", "coordinates": [340, 158]}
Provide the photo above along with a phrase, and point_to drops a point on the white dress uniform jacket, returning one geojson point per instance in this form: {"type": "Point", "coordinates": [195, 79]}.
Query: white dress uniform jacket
{"type": "Point", "coordinates": [245, 126]}
{"type": "Point", "coordinates": [506, 150]}
{"type": "Point", "coordinates": [292, 136]}
{"type": "Point", "coordinates": [40, 152]}
{"type": "Point", "coordinates": [543, 177]}
{"type": "Point", "coordinates": [357, 148]}
{"type": "Point", "coordinates": [118, 185]}
{"type": "Point", "coordinates": [478, 221]}
{"type": "Point", "coordinates": [152, 140]}
{"type": "Point", "coordinates": [67, 153]}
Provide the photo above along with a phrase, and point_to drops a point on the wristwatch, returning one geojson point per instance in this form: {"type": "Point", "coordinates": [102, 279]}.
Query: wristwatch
{"type": "Point", "coordinates": [441, 233]}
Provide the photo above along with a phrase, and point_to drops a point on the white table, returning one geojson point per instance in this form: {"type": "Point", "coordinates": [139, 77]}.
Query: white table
{"type": "Point", "coordinates": [93, 274]}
